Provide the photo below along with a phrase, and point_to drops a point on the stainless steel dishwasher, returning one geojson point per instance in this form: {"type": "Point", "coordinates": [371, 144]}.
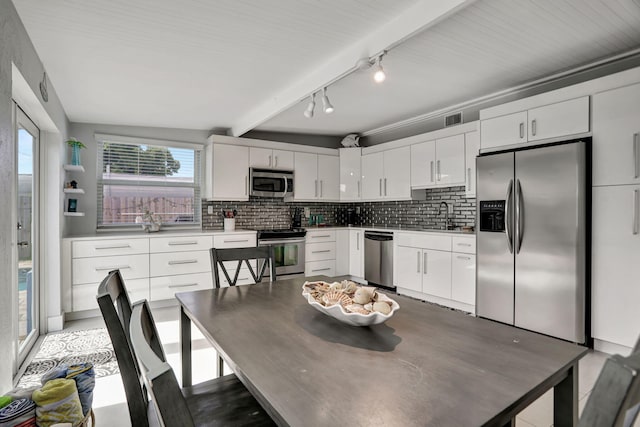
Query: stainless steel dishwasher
{"type": "Point", "coordinates": [378, 258]}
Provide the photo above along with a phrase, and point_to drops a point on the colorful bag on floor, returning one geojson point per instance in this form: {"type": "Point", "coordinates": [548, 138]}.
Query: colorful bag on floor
{"type": "Point", "coordinates": [84, 376]}
{"type": "Point", "coordinates": [19, 413]}
{"type": "Point", "coordinates": [58, 402]}
{"type": "Point", "coordinates": [4, 401]}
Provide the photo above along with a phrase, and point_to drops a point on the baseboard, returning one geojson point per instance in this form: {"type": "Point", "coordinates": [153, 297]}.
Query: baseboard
{"type": "Point", "coordinates": [55, 323]}
{"type": "Point", "coordinates": [611, 348]}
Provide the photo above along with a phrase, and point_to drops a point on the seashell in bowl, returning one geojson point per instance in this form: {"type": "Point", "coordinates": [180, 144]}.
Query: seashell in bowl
{"type": "Point", "coordinates": [382, 307]}
{"type": "Point", "coordinates": [363, 295]}
{"type": "Point", "coordinates": [344, 309]}
{"type": "Point", "coordinates": [336, 297]}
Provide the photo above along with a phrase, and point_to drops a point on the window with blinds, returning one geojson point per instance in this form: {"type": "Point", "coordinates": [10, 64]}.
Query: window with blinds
{"type": "Point", "coordinates": [137, 178]}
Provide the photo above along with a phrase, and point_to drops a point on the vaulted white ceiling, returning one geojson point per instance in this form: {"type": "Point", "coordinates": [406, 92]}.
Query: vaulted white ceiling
{"type": "Point", "coordinates": [250, 64]}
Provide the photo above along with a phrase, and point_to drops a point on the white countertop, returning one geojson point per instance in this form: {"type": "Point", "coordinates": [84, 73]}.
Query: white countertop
{"type": "Point", "coordinates": [392, 229]}
{"type": "Point", "coordinates": [131, 234]}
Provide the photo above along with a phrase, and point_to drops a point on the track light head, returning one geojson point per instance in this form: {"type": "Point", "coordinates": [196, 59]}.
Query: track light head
{"type": "Point", "coordinates": [379, 75]}
{"type": "Point", "coordinates": [327, 107]}
{"type": "Point", "coordinates": [308, 113]}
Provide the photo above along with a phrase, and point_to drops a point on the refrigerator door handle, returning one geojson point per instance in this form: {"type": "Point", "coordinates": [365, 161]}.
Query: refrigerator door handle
{"type": "Point", "coordinates": [507, 212]}
{"type": "Point", "coordinates": [519, 215]}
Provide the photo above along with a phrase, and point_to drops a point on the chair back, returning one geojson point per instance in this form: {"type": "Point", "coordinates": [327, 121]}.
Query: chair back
{"type": "Point", "coordinates": [116, 310]}
{"type": "Point", "coordinates": [158, 375]}
{"type": "Point", "coordinates": [263, 255]}
{"type": "Point", "coordinates": [615, 398]}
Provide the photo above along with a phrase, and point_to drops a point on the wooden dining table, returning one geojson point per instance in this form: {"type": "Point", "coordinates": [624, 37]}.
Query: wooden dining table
{"type": "Point", "coordinates": [425, 366]}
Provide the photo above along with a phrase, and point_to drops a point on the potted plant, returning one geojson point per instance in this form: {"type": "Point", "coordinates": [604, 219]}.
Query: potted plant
{"type": "Point", "coordinates": [75, 150]}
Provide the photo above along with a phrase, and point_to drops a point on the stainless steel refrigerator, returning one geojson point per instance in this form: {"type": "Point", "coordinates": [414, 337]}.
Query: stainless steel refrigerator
{"type": "Point", "coordinates": [531, 238]}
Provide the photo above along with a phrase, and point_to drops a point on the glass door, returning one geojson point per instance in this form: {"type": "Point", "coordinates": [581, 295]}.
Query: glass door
{"type": "Point", "coordinates": [27, 138]}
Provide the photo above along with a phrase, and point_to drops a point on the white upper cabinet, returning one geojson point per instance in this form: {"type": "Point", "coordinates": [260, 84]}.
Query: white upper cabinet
{"type": "Point", "coordinates": [397, 173]}
{"type": "Point", "coordinates": [267, 158]}
{"type": "Point", "coordinates": [450, 160]}
{"type": "Point", "coordinates": [350, 176]}
{"type": "Point", "coordinates": [423, 164]}
{"type": "Point", "coordinates": [504, 130]}
{"type": "Point", "coordinates": [387, 174]}
{"type": "Point", "coordinates": [471, 149]}
{"type": "Point", "coordinates": [372, 175]}
{"type": "Point", "coordinates": [230, 172]}
{"type": "Point", "coordinates": [306, 176]}
{"type": "Point", "coordinates": [438, 163]}
{"type": "Point", "coordinates": [317, 177]}
{"type": "Point", "coordinates": [616, 136]}
{"type": "Point", "coordinates": [328, 177]}
{"type": "Point", "coordinates": [549, 121]}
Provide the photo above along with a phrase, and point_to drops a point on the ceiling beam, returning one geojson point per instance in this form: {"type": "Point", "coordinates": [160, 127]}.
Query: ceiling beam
{"type": "Point", "coordinates": [413, 20]}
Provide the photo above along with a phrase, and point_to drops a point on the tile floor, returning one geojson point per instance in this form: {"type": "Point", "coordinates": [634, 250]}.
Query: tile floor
{"type": "Point", "coordinates": [110, 404]}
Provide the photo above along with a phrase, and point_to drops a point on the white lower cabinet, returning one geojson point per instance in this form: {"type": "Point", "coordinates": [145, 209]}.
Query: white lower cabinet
{"type": "Point", "coordinates": [356, 253]}
{"type": "Point", "coordinates": [615, 264]}
{"type": "Point", "coordinates": [463, 278]}
{"type": "Point", "coordinates": [425, 267]}
{"type": "Point", "coordinates": [320, 253]}
{"type": "Point", "coordinates": [165, 287]}
{"type": "Point", "coordinates": [320, 268]}
{"type": "Point", "coordinates": [84, 296]}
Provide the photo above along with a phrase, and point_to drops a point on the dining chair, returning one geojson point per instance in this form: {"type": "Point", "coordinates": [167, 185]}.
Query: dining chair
{"type": "Point", "coordinates": [263, 255]}
{"type": "Point", "coordinates": [115, 307]}
{"type": "Point", "coordinates": [615, 398]}
{"type": "Point", "coordinates": [223, 401]}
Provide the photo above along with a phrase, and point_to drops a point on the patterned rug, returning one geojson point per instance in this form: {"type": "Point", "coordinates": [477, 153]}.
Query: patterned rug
{"type": "Point", "coordinates": [91, 345]}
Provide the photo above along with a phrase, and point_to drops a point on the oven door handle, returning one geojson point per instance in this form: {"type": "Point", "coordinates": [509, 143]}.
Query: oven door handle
{"type": "Point", "coordinates": [279, 242]}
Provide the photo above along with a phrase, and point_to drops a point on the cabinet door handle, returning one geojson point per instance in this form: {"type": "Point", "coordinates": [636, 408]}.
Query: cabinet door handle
{"type": "Point", "coordinates": [315, 185]}
{"type": "Point", "coordinates": [424, 265]}
{"type": "Point", "coordinates": [236, 241]}
{"type": "Point", "coordinates": [636, 208]}
{"type": "Point", "coordinates": [385, 186]}
{"type": "Point", "coordinates": [269, 160]}
{"type": "Point", "coordinates": [464, 257]}
{"type": "Point", "coordinates": [321, 269]}
{"type": "Point", "coordinates": [184, 285]}
{"type": "Point", "coordinates": [438, 170]}
{"type": "Point", "coordinates": [321, 252]}
{"type": "Point", "coordinates": [112, 247]}
{"type": "Point", "coordinates": [431, 174]}
{"type": "Point", "coordinates": [521, 130]}
{"type": "Point", "coordinates": [275, 163]}
{"type": "Point", "coordinates": [113, 267]}
{"type": "Point", "coordinates": [320, 235]}
{"type": "Point", "coordinates": [463, 244]}
{"type": "Point", "coordinates": [636, 154]}
{"type": "Point", "coordinates": [358, 188]}
{"type": "Point", "coordinates": [418, 262]}
{"type": "Point", "coordinates": [533, 127]}
{"type": "Point", "coordinates": [357, 241]}
{"type": "Point", "coordinates": [246, 185]}
{"type": "Point", "coordinates": [468, 179]}
{"type": "Point", "coordinates": [193, 242]}
{"type": "Point", "coordinates": [380, 187]}
{"type": "Point", "coordinates": [321, 181]}
{"type": "Point", "coordinates": [183, 261]}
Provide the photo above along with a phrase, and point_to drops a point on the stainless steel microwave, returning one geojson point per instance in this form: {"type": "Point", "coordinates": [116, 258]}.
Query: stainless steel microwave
{"type": "Point", "coordinates": [271, 183]}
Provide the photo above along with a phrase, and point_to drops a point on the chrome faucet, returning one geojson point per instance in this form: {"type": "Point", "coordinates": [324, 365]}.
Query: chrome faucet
{"type": "Point", "coordinates": [447, 221]}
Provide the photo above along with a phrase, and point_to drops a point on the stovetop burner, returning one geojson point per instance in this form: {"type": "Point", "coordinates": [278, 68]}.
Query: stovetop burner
{"type": "Point", "coordinates": [283, 233]}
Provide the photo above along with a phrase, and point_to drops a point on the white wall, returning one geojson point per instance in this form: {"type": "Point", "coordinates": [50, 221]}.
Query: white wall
{"type": "Point", "coordinates": [16, 48]}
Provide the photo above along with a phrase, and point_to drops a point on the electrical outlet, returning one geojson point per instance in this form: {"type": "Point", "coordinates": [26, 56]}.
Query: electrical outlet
{"type": "Point", "coordinates": [210, 210]}
{"type": "Point", "coordinates": [307, 212]}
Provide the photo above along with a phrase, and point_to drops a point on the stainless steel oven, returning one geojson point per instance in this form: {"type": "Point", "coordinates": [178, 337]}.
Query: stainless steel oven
{"type": "Point", "coordinates": [288, 249]}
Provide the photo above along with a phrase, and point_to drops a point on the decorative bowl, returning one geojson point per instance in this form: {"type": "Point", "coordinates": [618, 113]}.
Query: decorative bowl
{"type": "Point", "coordinates": [338, 312]}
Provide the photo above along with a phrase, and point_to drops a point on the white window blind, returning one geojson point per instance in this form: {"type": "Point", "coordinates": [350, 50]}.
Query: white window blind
{"type": "Point", "coordinates": [136, 176]}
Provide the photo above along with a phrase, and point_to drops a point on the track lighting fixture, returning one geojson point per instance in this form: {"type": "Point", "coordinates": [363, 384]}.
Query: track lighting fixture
{"type": "Point", "coordinates": [308, 113]}
{"type": "Point", "coordinates": [327, 107]}
{"type": "Point", "coordinates": [378, 75]}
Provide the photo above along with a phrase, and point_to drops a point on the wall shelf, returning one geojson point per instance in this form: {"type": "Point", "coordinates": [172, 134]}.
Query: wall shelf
{"type": "Point", "coordinates": [74, 168]}
{"type": "Point", "coordinates": [73, 190]}
{"type": "Point", "coordinates": [74, 214]}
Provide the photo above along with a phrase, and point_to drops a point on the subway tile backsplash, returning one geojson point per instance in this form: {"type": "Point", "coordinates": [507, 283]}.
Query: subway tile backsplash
{"type": "Point", "coordinates": [259, 213]}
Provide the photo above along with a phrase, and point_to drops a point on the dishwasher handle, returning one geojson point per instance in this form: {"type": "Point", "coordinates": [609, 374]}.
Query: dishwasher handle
{"type": "Point", "coordinates": [380, 237]}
